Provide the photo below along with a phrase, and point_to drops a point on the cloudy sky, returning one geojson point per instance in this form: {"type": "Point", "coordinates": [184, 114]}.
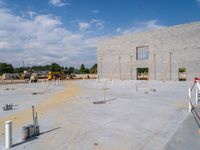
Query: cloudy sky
{"type": "Point", "coordinates": [40, 32]}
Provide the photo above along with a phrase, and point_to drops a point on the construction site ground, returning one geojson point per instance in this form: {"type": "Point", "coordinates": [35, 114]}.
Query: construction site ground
{"type": "Point", "coordinates": [137, 115]}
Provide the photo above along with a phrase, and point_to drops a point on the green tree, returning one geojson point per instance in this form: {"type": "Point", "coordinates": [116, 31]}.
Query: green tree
{"type": "Point", "coordinates": [82, 69]}
{"type": "Point", "coordinates": [62, 68]}
{"type": "Point", "coordinates": [66, 70]}
{"type": "Point", "coordinates": [93, 69]}
{"type": "Point", "coordinates": [6, 68]}
{"type": "Point", "coordinates": [87, 70]}
{"type": "Point", "coordinates": [71, 70]}
{"type": "Point", "coordinates": [55, 67]}
{"type": "Point", "coordinates": [19, 70]}
{"type": "Point", "coordinates": [47, 68]}
{"type": "Point", "coordinates": [76, 71]}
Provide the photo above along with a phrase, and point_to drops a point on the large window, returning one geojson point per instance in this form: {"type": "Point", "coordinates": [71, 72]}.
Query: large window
{"type": "Point", "coordinates": [142, 52]}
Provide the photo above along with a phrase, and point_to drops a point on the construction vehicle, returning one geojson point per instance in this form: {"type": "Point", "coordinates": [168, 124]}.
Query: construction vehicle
{"type": "Point", "coordinates": [33, 77]}
{"type": "Point", "coordinates": [56, 75]}
{"type": "Point", "coordinates": [26, 76]}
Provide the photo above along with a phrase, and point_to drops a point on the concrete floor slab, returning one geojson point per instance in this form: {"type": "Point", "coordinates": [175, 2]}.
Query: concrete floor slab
{"type": "Point", "coordinates": [144, 119]}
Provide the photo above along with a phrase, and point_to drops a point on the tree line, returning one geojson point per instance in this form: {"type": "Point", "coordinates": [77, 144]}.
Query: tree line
{"type": "Point", "coordinates": [8, 68]}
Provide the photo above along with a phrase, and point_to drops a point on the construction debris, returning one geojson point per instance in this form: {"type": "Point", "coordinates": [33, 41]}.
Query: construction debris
{"type": "Point", "coordinates": [8, 107]}
{"type": "Point", "coordinates": [9, 89]}
{"type": "Point", "coordinates": [99, 102]}
{"type": "Point", "coordinates": [153, 90]}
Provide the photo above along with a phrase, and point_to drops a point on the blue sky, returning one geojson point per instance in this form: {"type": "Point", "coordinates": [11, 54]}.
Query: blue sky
{"type": "Point", "coordinates": [39, 32]}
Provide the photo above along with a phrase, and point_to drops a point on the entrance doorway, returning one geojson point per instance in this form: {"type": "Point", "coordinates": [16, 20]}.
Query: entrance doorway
{"type": "Point", "coordinates": [142, 73]}
{"type": "Point", "coordinates": [182, 74]}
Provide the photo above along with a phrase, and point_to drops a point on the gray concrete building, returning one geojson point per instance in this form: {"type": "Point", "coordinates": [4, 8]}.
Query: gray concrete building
{"type": "Point", "coordinates": [169, 53]}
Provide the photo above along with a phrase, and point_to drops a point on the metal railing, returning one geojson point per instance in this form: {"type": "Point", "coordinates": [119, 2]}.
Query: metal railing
{"type": "Point", "coordinates": [196, 87]}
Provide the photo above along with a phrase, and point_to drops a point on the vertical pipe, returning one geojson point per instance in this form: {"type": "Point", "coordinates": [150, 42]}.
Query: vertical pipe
{"type": "Point", "coordinates": [105, 91]}
{"type": "Point", "coordinates": [170, 57]}
{"type": "Point", "coordinates": [33, 114]}
{"type": "Point", "coordinates": [131, 68]}
{"type": "Point", "coordinates": [120, 67]}
{"type": "Point", "coordinates": [189, 93]}
{"type": "Point", "coordinates": [101, 65]}
{"type": "Point", "coordinates": [8, 134]}
{"type": "Point", "coordinates": [190, 107]}
{"type": "Point", "coordinates": [154, 66]}
{"type": "Point", "coordinates": [189, 102]}
{"type": "Point", "coordinates": [36, 119]}
{"type": "Point", "coordinates": [196, 94]}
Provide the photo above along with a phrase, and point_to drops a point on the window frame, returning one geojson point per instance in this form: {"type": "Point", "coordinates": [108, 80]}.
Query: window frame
{"type": "Point", "coordinates": [137, 53]}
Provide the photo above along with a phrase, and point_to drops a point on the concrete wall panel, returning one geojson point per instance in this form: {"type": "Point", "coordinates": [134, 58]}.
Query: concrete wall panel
{"type": "Point", "coordinates": [183, 41]}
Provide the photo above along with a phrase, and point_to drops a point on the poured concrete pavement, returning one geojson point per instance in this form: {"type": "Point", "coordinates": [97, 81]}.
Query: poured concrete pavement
{"type": "Point", "coordinates": [146, 119]}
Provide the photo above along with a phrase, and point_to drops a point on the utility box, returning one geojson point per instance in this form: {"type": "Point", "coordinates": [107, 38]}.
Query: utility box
{"type": "Point", "coordinates": [25, 133]}
{"type": "Point", "coordinates": [37, 130]}
{"type": "Point", "coordinates": [31, 130]}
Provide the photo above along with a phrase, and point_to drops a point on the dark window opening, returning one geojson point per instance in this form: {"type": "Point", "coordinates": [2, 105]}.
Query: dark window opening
{"type": "Point", "coordinates": [142, 53]}
{"type": "Point", "coordinates": [142, 73]}
{"type": "Point", "coordinates": [182, 74]}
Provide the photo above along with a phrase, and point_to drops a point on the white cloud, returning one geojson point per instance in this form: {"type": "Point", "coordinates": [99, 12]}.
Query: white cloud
{"type": "Point", "coordinates": [84, 25]}
{"type": "Point", "coordinates": [118, 29]}
{"type": "Point", "coordinates": [96, 11]}
{"type": "Point", "coordinates": [91, 24]}
{"type": "Point", "coordinates": [31, 14]}
{"type": "Point", "coordinates": [42, 39]}
{"type": "Point", "coordinates": [140, 26]}
{"type": "Point", "coordinates": [58, 3]}
{"type": "Point", "coordinates": [98, 23]}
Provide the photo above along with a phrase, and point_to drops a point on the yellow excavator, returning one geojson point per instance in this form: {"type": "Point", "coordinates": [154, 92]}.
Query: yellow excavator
{"type": "Point", "coordinates": [56, 75]}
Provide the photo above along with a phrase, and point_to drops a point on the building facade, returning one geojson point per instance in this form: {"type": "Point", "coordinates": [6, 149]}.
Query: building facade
{"type": "Point", "coordinates": [169, 53]}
